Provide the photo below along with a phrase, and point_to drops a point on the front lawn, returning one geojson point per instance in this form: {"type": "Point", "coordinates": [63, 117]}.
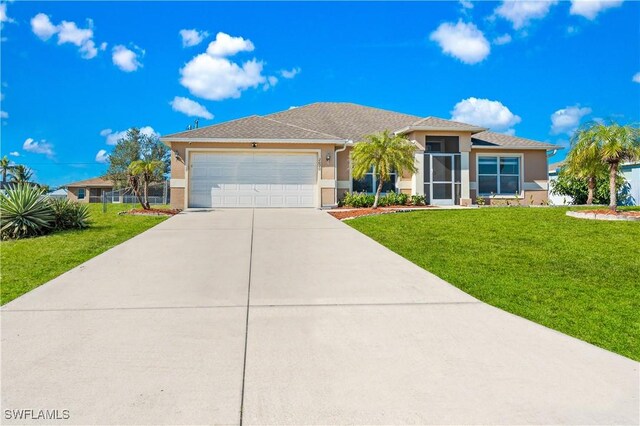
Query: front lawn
{"type": "Point", "coordinates": [581, 277]}
{"type": "Point", "coordinates": [26, 264]}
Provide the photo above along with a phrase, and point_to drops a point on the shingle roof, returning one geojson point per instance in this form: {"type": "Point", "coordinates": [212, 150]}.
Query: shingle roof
{"type": "Point", "coordinates": [489, 139]}
{"type": "Point", "coordinates": [93, 182]}
{"type": "Point", "coordinates": [337, 121]}
{"type": "Point", "coordinates": [253, 127]}
{"type": "Point", "coordinates": [345, 120]}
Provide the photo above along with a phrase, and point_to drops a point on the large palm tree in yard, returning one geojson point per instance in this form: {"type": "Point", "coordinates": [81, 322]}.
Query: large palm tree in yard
{"type": "Point", "coordinates": [584, 163]}
{"type": "Point", "coordinates": [385, 154]}
{"type": "Point", "coordinates": [21, 174]}
{"type": "Point", "coordinates": [613, 144]}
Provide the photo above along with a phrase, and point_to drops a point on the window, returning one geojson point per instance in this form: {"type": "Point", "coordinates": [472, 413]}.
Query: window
{"type": "Point", "coordinates": [369, 183]}
{"type": "Point", "coordinates": [81, 193]}
{"type": "Point", "coordinates": [498, 175]}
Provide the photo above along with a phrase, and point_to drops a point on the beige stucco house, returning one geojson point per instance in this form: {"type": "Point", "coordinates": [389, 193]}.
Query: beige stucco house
{"type": "Point", "coordinates": [300, 158]}
{"type": "Point", "coordinates": [88, 190]}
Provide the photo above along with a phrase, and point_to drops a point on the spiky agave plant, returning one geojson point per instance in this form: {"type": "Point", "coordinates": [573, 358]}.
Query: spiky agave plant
{"type": "Point", "coordinates": [69, 214]}
{"type": "Point", "coordinates": [24, 212]}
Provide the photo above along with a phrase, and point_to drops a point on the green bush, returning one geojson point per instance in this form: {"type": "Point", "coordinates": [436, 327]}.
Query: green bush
{"type": "Point", "coordinates": [362, 199]}
{"type": "Point", "coordinates": [417, 200]}
{"type": "Point", "coordinates": [69, 215]}
{"type": "Point", "coordinates": [24, 212]}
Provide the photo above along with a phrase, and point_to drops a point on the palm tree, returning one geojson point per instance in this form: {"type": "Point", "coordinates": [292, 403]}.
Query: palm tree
{"type": "Point", "coordinates": [141, 174]}
{"type": "Point", "coordinates": [5, 167]}
{"type": "Point", "coordinates": [584, 163]}
{"type": "Point", "coordinates": [613, 144]}
{"type": "Point", "coordinates": [385, 154]}
{"type": "Point", "coordinates": [21, 174]}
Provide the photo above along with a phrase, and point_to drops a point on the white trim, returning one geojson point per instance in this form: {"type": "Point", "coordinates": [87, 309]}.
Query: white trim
{"type": "Point", "coordinates": [417, 180]}
{"type": "Point", "coordinates": [443, 201]}
{"type": "Point", "coordinates": [327, 183]}
{"type": "Point", "coordinates": [257, 140]}
{"type": "Point", "coordinates": [464, 175]}
{"type": "Point", "coordinates": [177, 183]}
{"type": "Point", "coordinates": [536, 185]}
{"type": "Point", "coordinates": [189, 151]}
{"type": "Point", "coordinates": [500, 154]}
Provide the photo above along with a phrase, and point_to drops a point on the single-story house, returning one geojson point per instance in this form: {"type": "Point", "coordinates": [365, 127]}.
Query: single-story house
{"type": "Point", "coordinates": [88, 190]}
{"type": "Point", "coordinates": [300, 158]}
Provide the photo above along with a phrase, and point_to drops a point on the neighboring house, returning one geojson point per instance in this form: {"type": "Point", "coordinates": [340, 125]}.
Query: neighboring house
{"type": "Point", "coordinates": [89, 190]}
{"type": "Point", "coordinates": [300, 158]}
{"type": "Point", "coordinates": [58, 194]}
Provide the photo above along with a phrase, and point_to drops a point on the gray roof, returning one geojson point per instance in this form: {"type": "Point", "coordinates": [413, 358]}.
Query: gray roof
{"type": "Point", "coordinates": [92, 182]}
{"type": "Point", "coordinates": [491, 139]}
{"type": "Point", "coordinates": [336, 122]}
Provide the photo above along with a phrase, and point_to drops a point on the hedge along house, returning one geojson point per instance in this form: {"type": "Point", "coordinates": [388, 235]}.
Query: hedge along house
{"type": "Point", "coordinates": [300, 158]}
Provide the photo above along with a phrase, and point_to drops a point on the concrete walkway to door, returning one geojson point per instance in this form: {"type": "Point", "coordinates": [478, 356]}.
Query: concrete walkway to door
{"type": "Point", "coordinates": [289, 317]}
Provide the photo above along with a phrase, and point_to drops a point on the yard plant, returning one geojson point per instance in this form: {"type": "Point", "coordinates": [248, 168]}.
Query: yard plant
{"type": "Point", "coordinates": [384, 154]}
{"type": "Point", "coordinates": [578, 277]}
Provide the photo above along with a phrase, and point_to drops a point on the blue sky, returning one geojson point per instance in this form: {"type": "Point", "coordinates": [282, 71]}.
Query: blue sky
{"type": "Point", "coordinates": [74, 74]}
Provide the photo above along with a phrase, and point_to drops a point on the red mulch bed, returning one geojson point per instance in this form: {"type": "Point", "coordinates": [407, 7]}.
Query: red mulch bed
{"type": "Point", "coordinates": [353, 213]}
{"type": "Point", "coordinates": [609, 212]}
{"type": "Point", "coordinates": [153, 212]}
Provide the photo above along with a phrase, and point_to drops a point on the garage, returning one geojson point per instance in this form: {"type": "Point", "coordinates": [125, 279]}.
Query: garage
{"type": "Point", "coordinates": [253, 179]}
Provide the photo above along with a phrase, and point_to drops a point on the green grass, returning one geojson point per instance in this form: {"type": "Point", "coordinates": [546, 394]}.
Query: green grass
{"type": "Point", "coordinates": [580, 277]}
{"type": "Point", "coordinates": [26, 264]}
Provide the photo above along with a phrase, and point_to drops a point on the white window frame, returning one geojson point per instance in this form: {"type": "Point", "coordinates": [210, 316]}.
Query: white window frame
{"type": "Point", "coordinates": [500, 155]}
{"type": "Point", "coordinates": [84, 193]}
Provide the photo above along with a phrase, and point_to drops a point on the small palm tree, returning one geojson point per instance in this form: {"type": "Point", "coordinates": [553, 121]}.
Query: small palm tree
{"type": "Point", "coordinates": [21, 174]}
{"type": "Point", "coordinates": [385, 154]}
{"type": "Point", "coordinates": [585, 163]}
{"type": "Point", "coordinates": [613, 144]}
{"type": "Point", "coordinates": [141, 174]}
{"type": "Point", "coordinates": [5, 167]}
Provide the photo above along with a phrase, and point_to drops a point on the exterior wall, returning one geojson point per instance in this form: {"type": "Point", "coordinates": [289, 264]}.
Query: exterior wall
{"type": "Point", "coordinates": [632, 175]}
{"type": "Point", "coordinates": [72, 193]}
{"type": "Point", "coordinates": [179, 185]}
{"type": "Point", "coordinates": [535, 182]}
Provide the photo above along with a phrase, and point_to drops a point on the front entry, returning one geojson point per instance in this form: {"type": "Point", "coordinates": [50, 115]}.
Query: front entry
{"type": "Point", "coordinates": [442, 179]}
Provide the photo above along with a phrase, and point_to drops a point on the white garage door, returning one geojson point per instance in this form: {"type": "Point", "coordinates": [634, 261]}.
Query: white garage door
{"type": "Point", "coordinates": [253, 180]}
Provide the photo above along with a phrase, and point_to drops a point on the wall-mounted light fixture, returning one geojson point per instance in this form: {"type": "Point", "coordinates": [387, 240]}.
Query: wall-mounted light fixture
{"type": "Point", "coordinates": [177, 155]}
{"type": "Point", "coordinates": [328, 157]}
{"type": "Point", "coordinates": [254, 145]}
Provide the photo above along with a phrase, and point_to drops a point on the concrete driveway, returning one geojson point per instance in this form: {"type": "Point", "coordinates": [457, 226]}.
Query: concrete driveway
{"type": "Point", "coordinates": [289, 317]}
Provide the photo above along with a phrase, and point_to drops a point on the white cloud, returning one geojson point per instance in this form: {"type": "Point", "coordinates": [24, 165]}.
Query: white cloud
{"type": "Point", "coordinates": [591, 8]}
{"type": "Point", "coordinates": [521, 12]}
{"type": "Point", "coordinates": [126, 59]}
{"type": "Point", "coordinates": [68, 32]}
{"type": "Point", "coordinates": [192, 37]}
{"type": "Point", "coordinates": [290, 74]}
{"type": "Point", "coordinates": [636, 77]}
{"type": "Point", "coordinates": [41, 147]}
{"type": "Point", "coordinates": [102, 156]}
{"type": "Point", "coordinates": [14, 154]}
{"type": "Point", "coordinates": [503, 39]}
{"type": "Point", "coordinates": [486, 113]}
{"type": "Point", "coordinates": [114, 137]}
{"type": "Point", "coordinates": [225, 45]}
{"type": "Point", "coordinates": [217, 78]}
{"type": "Point", "coordinates": [3, 15]}
{"type": "Point", "coordinates": [103, 46]}
{"type": "Point", "coordinates": [42, 27]}
{"type": "Point", "coordinates": [462, 41]}
{"type": "Point", "coordinates": [271, 82]}
{"type": "Point", "coordinates": [4, 114]}
{"type": "Point", "coordinates": [566, 120]}
{"type": "Point", "coordinates": [190, 108]}
{"type": "Point", "coordinates": [466, 4]}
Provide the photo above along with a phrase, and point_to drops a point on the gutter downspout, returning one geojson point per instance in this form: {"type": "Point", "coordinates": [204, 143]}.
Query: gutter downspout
{"type": "Point", "coordinates": [335, 167]}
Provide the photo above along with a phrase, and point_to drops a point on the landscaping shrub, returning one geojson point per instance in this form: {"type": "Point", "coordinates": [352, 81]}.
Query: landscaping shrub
{"type": "Point", "coordinates": [362, 199]}
{"type": "Point", "coordinates": [417, 200]}
{"type": "Point", "coordinates": [24, 212]}
{"type": "Point", "coordinates": [69, 215]}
